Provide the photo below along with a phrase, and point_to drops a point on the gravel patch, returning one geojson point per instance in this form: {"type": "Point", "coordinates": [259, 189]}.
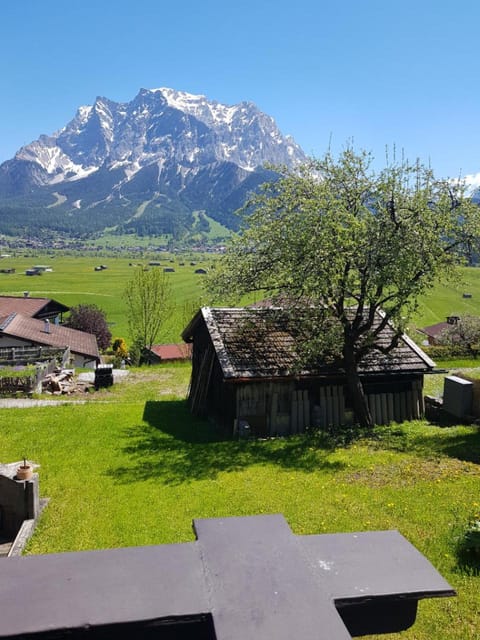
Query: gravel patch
{"type": "Point", "coordinates": [89, 376]}
{"type": "Point", "coordinates": [28, 403]}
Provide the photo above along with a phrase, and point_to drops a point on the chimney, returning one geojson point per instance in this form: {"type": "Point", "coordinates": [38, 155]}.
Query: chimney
{"type": "Point", "coordinates": [46, 326]}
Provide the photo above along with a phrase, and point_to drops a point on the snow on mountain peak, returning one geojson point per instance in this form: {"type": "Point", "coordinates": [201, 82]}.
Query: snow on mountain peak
{"type": "Point", "coordinates": [180, 99]}
{"type": "Point", "coordinates": [174, 130]}
{"type": "Point", "coordinates": [84, 111]}
{"type": "Point", "coordinates": [208, 111]}
{"type": "Point", "coordinates": [154, 159]}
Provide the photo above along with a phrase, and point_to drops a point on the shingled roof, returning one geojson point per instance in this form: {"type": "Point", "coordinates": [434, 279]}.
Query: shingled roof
{"type": "Point", "coordinates": [260, 343]}
{"type": "Point", "coordinates": [29, 306]}
{"type": "Point", "coordinates": [168, 352]}
{"type": "Point", "coordinates": [29, 329]}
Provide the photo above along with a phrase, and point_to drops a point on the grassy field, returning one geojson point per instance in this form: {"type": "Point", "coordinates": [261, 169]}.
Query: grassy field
{"type": "Point", "coordinates": [447, 299]}
{"type": "Point", "coordinates": [132, 467]}
{"type": "Point", "coordinates": [73, 281]}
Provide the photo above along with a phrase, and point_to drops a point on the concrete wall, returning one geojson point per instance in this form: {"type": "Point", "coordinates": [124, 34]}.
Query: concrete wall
{"type": "Point", "coordinates": [458, 396]}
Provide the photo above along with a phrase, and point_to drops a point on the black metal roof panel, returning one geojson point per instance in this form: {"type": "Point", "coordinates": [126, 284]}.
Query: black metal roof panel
{"type": "Point", "coordinates": [250, 577]}
{"type": "Point", "coordinates": [94, 588]}
{"type": "Point", "coordinates": [261, 586]}
{"type": "Point", "coordinates": [359, 566]}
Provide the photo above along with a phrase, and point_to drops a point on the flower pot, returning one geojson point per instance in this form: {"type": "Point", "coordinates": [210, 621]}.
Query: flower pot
{"type": "Point", "coordinates": [24, 472]}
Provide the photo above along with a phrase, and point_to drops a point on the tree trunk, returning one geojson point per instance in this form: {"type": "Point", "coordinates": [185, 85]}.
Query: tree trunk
{"type": "Point", "coordinates": [359, 400]}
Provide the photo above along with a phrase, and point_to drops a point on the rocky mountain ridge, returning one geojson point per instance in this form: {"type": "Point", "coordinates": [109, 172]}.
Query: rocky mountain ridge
{"type": "Point", "coordinates": [144, 166]}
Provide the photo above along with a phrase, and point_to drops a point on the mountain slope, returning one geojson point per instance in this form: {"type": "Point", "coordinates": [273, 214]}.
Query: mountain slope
{"type": "Point", "coordinates": [144, 166]}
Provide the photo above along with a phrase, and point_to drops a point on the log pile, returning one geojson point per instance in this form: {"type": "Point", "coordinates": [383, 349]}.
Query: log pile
{"type": "Point", "coordinates": [63, 382]}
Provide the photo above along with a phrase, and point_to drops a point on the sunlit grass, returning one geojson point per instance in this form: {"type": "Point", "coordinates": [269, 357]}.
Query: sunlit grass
{"type": "Point", "coordinates": [132, 467]}
{"type": "Point", "coordinates": [448, 299]}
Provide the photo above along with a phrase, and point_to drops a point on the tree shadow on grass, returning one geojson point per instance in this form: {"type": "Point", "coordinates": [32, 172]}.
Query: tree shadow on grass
{"type": "Point", "coordinates": [173, 447]}
{"type": "Point", "coordinates": [463, 445]}
{"type": "Point", "coordinates": [468, 562]}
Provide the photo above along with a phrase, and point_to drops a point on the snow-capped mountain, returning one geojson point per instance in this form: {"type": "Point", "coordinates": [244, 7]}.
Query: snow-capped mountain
{"type": "Point", "coordinates": [146, 164]}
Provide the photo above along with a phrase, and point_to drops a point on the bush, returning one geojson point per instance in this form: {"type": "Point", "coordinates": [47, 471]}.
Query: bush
{"type": "Point", "coordinates": [446, 352]}
{"type": "Point", "coordinates": [135, 353]}
{"type": "Point", "coordinates": [468, 549]}
{"type": "Point", "coordinates": [91, 319]}
{"type": "Point", "coordinates": [471, 538]}
{"type": "Point", "coordinates": [119, 348]}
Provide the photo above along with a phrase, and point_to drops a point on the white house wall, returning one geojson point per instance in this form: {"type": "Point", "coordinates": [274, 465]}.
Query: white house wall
{"type": "Point", "coordinates": [79, 360]}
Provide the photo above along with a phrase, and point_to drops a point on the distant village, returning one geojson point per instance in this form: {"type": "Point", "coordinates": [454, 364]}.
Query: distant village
{"type": "Point", "coordinates": [9, 244]}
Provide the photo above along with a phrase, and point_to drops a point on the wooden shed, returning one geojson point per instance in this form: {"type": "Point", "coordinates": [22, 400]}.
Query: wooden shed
{"type": "Point", "coordinates": [245, 376]}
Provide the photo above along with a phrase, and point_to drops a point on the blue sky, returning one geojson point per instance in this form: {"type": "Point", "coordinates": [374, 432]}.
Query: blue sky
{"type": "Point", "coordinates": [378, 72]}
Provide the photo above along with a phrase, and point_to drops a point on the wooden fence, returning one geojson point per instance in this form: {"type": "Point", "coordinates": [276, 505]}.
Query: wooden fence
{"type": "Point", "coordinates": [17, 384]}
{"type": "Point", "coordinates": [32, 382]}
{"type": "Point", "coordinates": [27, 355]}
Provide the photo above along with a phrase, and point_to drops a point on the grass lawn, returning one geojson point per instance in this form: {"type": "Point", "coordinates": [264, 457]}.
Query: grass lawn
{"type": "Point", "coordinates": [74, 281]}
{"type": "Point", "coordinates": [447, 299]}
{"type": "Point", "coordinates": [132, 467]}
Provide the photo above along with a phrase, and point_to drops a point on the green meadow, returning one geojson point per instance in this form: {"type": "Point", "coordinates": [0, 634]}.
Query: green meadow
{"type": "Point", "coordinates": [73, 280]}
{"type": "Point", "coordinates": [447, 299]}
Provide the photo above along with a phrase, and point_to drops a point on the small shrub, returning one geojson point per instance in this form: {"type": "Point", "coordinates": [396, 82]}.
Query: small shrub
{"type": "Point", "coordinates": [446, 352]}
{"type": "Point", "coordinates": [118, 362]}
{"type": "Point", "coordinates": [135, 353]}
{"type": "Point", "coordinates": [471, 540]}
{"type": "Point", "coordinates": [119, 348]}
{"type": "Point", "coordinates": [468, 549]}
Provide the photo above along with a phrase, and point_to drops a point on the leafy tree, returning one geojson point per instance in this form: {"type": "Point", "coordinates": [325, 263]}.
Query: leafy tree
{"type": "Point", "coordinates": [148, 298]}
{"type": "Point", "coordinates": [186, 311]}
{"type": "Point", "coordinates": [464, 333]}
{"type": "Point", "coordinates": [360, 245]}
{"type": "Point", "coordinates": [119, 348]}
{"type": "Point", "coordinates": [90, 318]}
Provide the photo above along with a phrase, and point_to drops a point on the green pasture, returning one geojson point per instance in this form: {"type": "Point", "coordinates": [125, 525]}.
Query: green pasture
{"type": "Point", "coordinates": [73, 281]}
{"type": "Point", "coordinates": [132, 467]}
{"type": "Point", "coordinates": [447, 299]}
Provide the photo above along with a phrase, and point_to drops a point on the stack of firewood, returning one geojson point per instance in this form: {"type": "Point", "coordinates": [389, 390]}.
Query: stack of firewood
{"type": "Point", "coordinates": [63, 382]}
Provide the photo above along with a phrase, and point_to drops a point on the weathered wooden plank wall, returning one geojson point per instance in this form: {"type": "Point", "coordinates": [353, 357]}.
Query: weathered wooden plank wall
{"type": "Point", "coordinates": [276, 410]}
{"type": "Point", "coordinates": [398, 406]}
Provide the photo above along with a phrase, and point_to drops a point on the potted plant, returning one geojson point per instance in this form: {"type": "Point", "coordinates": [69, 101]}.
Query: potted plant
{"type": "Point", "coordinates": [24, 471]}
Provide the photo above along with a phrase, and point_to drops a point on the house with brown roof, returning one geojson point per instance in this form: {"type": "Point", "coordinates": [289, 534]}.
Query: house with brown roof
{"type": "Point", "coordinates": [39, 308]}
{"type": "Point", "coordinates": [433, 332]}
{"type": "Point", "coordinates": [19, 330]}
{"type": "Point", "coordinates": [169, 352]}
{"type": "Point", "coordinates": [245, 376]}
